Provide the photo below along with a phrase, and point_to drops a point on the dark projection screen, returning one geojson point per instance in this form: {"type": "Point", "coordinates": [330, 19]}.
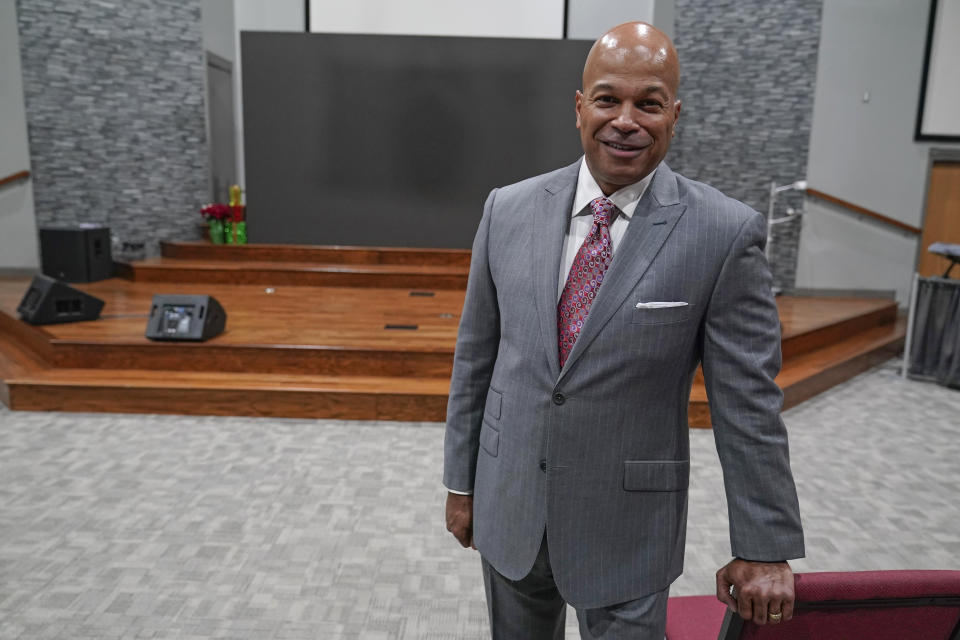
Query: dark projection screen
{"type": "Point", "coordinates": [397, 140]}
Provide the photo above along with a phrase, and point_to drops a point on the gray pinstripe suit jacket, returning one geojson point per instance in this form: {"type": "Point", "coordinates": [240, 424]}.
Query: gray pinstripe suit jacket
{"type": "Point", "coordinates": [612, 424]}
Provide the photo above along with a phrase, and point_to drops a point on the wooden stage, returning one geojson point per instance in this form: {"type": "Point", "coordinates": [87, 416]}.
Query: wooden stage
{"type": "Point", "coordinates": [332, 332]}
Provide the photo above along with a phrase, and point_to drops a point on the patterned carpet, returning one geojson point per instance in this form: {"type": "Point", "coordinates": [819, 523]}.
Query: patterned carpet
{"type": "Point", "coordinates": [123, 526]}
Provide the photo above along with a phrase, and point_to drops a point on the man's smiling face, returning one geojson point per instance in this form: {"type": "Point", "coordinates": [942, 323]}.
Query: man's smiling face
{"type": "Point", "coordinates": [628, 107]}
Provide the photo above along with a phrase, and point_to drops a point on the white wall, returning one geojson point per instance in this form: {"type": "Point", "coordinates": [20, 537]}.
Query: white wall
{"type": "Point", "coordinates": [838, 250]}
{"type": "Point", "coordinates": [219, 28]}
{"type": "Point", "coordinates": [270, 15]}
{"type": "Point", "coordinates": [491, 18]}
{"type": "Point", "coordinates": [664, 12]}
{"type": "Point", "coordinates": [861, 147]}
{"type": "Point", "coordinates": [861, 151]}
{"type": "Point", "coordinates": [586, 22]}
{"type": "Point", "coordinates": [586, 19]}
{"type": "Point", "coordinates": [18, 227]}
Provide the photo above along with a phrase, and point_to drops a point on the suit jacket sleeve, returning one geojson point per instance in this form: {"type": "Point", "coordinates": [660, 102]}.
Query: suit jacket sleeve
{"type": "Point", "coordinates": [741, 358]}
{"type": "Point", "coordinates": [477, 343]}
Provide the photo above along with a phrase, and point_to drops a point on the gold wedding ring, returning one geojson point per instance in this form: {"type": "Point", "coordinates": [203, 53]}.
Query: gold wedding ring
{"type": "Point", "coordinates": [775, 617]}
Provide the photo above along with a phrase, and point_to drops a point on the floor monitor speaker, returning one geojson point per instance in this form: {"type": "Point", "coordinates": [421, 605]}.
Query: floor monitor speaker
{"type": "Point", "coordinates": [49, 301]}
{"type": "Point", "coordinates": [187, 317]}
{"type": "Point", "coordinates": [80, 253]}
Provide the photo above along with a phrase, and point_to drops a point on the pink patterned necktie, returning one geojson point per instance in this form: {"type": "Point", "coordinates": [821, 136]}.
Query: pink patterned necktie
{"type": "Point", "coordinates": [585, 278]}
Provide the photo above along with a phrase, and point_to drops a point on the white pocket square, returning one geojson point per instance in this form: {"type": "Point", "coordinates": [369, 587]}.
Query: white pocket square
{"type": "Point", "coordinates": [660, 305]}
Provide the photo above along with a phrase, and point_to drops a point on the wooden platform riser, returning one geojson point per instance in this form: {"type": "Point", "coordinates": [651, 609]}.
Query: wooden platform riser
{"type": "Point", "coordinates": [306, 361]}
{"type": "Point", "coordinates": [293, 278]}
{"type": "Point", "coordinates": [794, 345]}
{"type": "Point", "coordinates": [341, 405]}
{"type": "Point", "coordinates": [319, 255]}
{"type": "Point", "coordinates": [317, 360]}
{"type": "Point", "coordinates": [281, 404]}
{"type": "Point", "coordinates": [335, 360]}
{"type": "Point", "coordinates": [698, 415]}
{"type": "Point", "coordinates": [27, 336]}
{"type": "Point", "coordinates": [813, 384]}
{"type": "Point", "coordinates": [227, 402]}
{"type": "Point", "coordinates": [839, 372]}
{"type": "Point", "coordinates": [323, 404]}
{"type": "Point", "coordinates": [811, 340]}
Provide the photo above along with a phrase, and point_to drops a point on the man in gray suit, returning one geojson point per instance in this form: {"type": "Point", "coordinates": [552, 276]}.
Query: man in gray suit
{"type": "Point", "coordinates": [567, 450]}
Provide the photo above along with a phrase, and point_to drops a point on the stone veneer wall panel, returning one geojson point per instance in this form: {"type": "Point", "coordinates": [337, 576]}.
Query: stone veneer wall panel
{"type": "Point", "coordinates": [748, 72]}
{"type": "Point", "coordinates": [115, 108]}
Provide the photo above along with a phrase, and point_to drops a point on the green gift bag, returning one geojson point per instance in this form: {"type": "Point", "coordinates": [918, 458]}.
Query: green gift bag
{"type": "Point", "coordinates": [216, 231]}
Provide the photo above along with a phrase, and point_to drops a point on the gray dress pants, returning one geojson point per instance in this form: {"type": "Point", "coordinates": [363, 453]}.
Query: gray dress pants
{"type": "Point", "coordinates": [532, 609]}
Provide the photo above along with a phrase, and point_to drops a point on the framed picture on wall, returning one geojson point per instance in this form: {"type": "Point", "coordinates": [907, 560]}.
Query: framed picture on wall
{"type": "Point", "coordinates": [938, 117]}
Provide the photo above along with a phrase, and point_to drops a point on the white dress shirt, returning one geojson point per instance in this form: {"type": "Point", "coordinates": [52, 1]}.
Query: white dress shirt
{"type": "Point", "coordinates": [581, 217]}
{"type": "Point", "coordinates": [581, 220]}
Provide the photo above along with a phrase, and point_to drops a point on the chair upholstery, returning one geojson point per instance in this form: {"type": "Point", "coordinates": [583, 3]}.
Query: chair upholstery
{"type": "Point", "coordinates": [694, 617]}
{"type": "Point", "coordinates": [880, 605]}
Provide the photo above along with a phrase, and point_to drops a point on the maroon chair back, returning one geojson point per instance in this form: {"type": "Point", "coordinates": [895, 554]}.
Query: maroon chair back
{"type": "Point", "coordinates": [879, 605]}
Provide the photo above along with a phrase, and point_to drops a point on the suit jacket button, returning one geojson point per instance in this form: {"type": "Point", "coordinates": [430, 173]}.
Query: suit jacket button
{"type": "Point", "coordinates": [543, 465]}
{"type": "Point", "coordinates": [558, 398]}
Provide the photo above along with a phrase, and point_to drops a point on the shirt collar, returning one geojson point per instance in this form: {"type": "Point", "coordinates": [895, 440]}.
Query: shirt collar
{"type": "Point", "coordinates": [624, 199]}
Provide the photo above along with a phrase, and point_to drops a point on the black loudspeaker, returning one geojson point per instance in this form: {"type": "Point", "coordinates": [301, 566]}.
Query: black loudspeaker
{"type": "Point", "coordinates": [80, 253]}
{"type": "Point", "coordinates": [186, 317]}
{"type": "Point", "coordinates": [48, 301]}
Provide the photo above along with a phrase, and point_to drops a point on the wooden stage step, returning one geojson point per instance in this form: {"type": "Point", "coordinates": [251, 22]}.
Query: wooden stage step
{"type": "Point", "coordinates": [296, 273]}
{"type": "Point", "coordinates": [295, 330]}
{"type": "Point", "coordinates": [807, 374]}
{"type": "Point", "coordinates": [229, 394]}
{"type": "Point", "coordinates": [303, 265]}
{"type": "Point", "coordinates": [315, 254]}
{"type": "Point", "coordinates": [364, 397]}
{"type": "Point", "coordinates": [315, 352]}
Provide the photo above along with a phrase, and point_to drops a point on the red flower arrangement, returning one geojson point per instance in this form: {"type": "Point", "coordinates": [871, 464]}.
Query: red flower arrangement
{"type": "Point", "coordinates": [217, 211]}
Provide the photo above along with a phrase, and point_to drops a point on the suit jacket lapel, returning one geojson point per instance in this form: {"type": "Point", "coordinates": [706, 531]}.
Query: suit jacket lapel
{"type": "Point", "coordinates": [653, 220]}
{"type": "Point", "coordinates": [553, 210]}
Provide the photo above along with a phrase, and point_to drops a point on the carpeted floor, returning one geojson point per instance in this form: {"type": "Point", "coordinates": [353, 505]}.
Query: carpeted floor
{"type": "Point", "coordinates": [128, 526]}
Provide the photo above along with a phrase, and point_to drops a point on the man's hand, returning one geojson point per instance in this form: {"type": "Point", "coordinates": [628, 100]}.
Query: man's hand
{"type": "Point", "coordinates": [760, 589]}
{"type": "Point", "coordinates": [460, 518]}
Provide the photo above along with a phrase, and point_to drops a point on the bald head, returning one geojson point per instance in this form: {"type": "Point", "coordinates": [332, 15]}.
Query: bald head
{"type": "Point", "coordinates": [633, 43]}
{"type": "Point", "coordinates": [628, 107]}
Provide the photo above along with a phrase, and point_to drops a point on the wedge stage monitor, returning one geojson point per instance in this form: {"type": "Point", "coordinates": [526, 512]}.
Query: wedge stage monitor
{"type": "Point", "coordinates": [49, 301]}
{"type": "Point", "coordinates": [191, 318]}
